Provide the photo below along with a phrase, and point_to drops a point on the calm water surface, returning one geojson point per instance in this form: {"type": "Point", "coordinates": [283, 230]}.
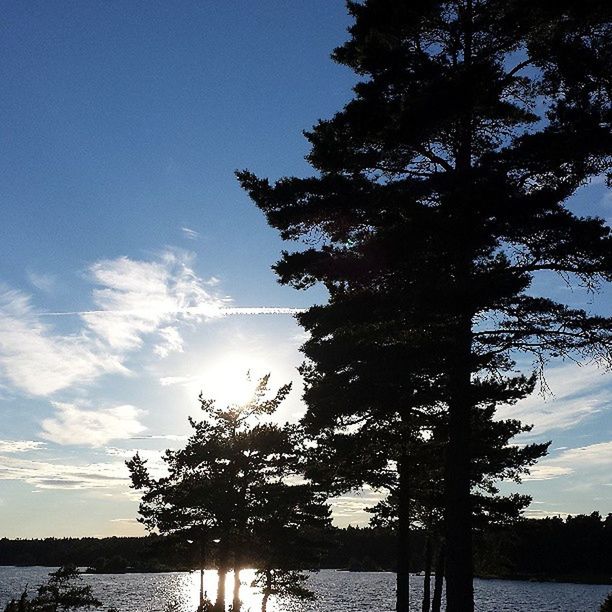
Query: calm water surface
{"type": "Point", "coordinates": [337, 592]}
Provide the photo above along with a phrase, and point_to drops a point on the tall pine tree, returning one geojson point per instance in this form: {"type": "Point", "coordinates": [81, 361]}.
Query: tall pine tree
{"type": "Point", "coordinates": [441, 190]}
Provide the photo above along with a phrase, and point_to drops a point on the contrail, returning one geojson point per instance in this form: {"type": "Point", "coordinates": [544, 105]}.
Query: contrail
{"type": "Point", "coordinates": [212, 311]}
{"type": "Point", "coordinates": [262, 310]}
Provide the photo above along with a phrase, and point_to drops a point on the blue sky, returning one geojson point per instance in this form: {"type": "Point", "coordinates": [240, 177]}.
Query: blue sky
{"type": "Point", "coordinates": [122, 124]}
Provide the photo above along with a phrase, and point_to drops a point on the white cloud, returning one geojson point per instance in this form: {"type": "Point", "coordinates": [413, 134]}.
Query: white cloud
{"type": "Point", "coordinates": [578, 393]}
{"type": "Point", "coordinates": [547, 472]}
{"type": "Point", "coordinates": [51, 475]}
{"type": "Point", "coordinates": [586, 461]}
{"type": "Point", "coordinates": [349, 504]}
{"type": "Point", "coordinates": [167, 381]}
{"type": "Point", "coordinates": [189, 233]}
{"type": "Point", "coordinates": [37, 360]}
{"type": "Point", "coordinates": [171, 342]}
{"type": "Point", "coordinates": [260, 310]}
{"type": "Point", "coordinates": [593, 455]}
{"type": "Point", "coordinates": [73, 425]}
{"type": "Point", "coordinates": [137, 298]}
{"type": "Point", "coordinates": [135, 301]}
{"type": "Point", "coordinates": [173, 437]}
{"type": "Point", "coordinates": [540, 514]}
{"type": "Point", "coordinates": [19, 446]}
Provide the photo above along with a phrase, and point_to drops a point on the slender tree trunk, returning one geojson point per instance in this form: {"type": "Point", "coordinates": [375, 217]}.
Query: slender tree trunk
{"type": "Point", "coordinates": [403, 537]}
{"type": "Point", "coordinates": [202, 565]}
{"type": "Point", "coordinates": [427, 578]}
{"type": "Point", "coordinates": [267, 591]}
{"type": "Point", "coordinates": [436, 603]}
{"type": "Point", "coordinates": [236, 604]}
{"type": "Point", "coordinates": [459, 570]}
{"type": "Point", "coordinates": [220, 601]}
{"type": "Point", "coordinates": [222, 573]}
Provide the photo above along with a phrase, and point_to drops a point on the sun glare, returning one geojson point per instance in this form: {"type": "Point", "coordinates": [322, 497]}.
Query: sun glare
{"type": "Point", "coordinates": [232, 378]}
{"type": "Point", "coordinates": [250, 597]}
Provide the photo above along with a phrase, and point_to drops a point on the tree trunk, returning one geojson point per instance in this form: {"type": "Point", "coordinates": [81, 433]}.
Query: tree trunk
{"type": "Point", "coordinates": [236, 599]}
{"type": "Point", "coordinates": [459, 564]}
{"type": "Point", "coordinates": [436, 604]}
{"type": "Point", "coordinates": [459, 571]}
{"type": "Point", "coordinates": [222, 572]}
{"type": "Point", "coordinates": [202, 566]}
{"type": "Point", "coordinates": [427, 578]}
{"type": "Point", "coordinates": [220, 602]}
{"type": "Point", "coordinates": [201, 606]}
{"type": "Point", "coordinates": [403, 537]}
{"type": "Point", "coordinates": [267, 591]}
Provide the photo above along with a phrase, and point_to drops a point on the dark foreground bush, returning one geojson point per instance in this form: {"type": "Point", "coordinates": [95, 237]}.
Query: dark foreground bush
{"type": "Point", "coordinates": [62, 591]}
{"type": "Point", "coordinates": [606, 606]}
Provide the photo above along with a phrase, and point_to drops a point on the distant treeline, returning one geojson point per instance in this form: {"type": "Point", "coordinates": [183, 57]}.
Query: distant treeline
{"type": "Point", "coordinates": [351, 548]}
{"type": "Point", "coordinates": [575, 548]}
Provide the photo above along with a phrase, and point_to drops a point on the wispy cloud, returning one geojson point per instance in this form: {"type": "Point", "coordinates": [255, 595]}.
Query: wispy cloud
{"type": "Point", "coordinates": [173, 437]}
{"type": "Point", "coordinates": [134, 300]}
{"type": "Point", "coordinates": [578, 393]}
{"type": "Point", "coordinates": [547, 472]}
{"type": "Point", "coordinates": [36, 359]}
{"type": "Point", "coordinates": [540, 513]}
{"type": "Point", "coordinates": [593, 455]}
{"type": "Point", "coordinates": [171, 341]}
{"type": "Point", "coordinates": [168, 381]}
{"type": "Point", "coordinates": [154, 458]}
{"type": "Point", "coordinates": [19, 446]}
{"type": "Point", "coordinates": [43, 282]}
{"type": "Point", "coordinates": [189, 233]}
{"type": "Point", "coordinates": [74, 425]}
{"type": "Point", "coordinates": [206, 310]}
{"type": "Point", "coordinates": [589, 462]}
{"type": "Point", "coordinates": [261, 310]}
{"type": "Point", "coordinates": [52, 475]}
{"type": "Point", "coordinates": [350, 505]}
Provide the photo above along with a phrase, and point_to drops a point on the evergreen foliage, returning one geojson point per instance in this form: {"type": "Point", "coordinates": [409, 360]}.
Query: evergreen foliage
{"type": "Point", "coordinates": [229, 484]}
{"type": "Point", "coordinates": [441, 191]}
{"type": "Point", "coordinates": [61, 592]}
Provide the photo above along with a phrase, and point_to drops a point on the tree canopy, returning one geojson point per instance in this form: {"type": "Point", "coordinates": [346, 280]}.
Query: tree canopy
{"type": "Point", "coordinates": [441, 189]}
{"type": "Point", "coordinates": [230, 483]}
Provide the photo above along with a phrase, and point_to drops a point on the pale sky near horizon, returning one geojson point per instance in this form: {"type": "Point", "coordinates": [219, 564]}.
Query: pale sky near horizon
{"type": "Point", "coordinates": [121, 126]}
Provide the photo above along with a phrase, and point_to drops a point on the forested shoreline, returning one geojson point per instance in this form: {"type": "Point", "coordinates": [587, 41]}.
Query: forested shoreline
{"type": "Point", "coordinates": [572, 549]}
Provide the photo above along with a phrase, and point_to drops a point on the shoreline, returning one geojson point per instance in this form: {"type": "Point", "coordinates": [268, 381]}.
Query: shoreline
{"type": "Point", "coordinates": [560, 579]}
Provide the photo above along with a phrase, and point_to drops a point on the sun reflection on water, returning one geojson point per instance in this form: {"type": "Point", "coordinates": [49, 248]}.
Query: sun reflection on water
{"type": "Point", "coordinates": [187, 597]}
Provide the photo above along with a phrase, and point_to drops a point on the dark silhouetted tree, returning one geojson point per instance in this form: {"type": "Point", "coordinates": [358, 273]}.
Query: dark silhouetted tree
{"type": "Point", "coordinates": [352, 459]}
{"type": "Point", "coordinates": [228, 480]}
{"type": "Point", "coordinates": [290, 524]}
{"type": "Point", "coordinates": [442, 189]}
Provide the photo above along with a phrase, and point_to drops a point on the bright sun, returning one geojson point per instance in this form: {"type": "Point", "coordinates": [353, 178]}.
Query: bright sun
{"type": "Point", "coordinates": [231, 378]}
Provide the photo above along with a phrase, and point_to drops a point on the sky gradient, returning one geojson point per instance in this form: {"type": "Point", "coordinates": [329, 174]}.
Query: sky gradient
{"type": "Point", "coordinates": [122, 125]}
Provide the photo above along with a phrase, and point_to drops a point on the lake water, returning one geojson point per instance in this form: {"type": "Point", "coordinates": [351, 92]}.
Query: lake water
{"type": "Point", "coordinates": [337, 592]}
